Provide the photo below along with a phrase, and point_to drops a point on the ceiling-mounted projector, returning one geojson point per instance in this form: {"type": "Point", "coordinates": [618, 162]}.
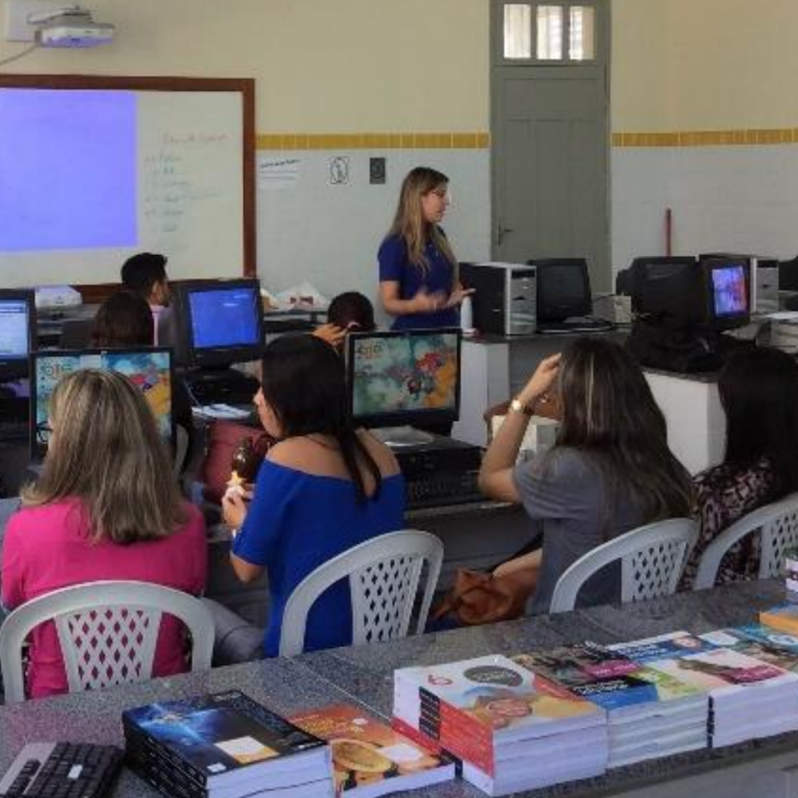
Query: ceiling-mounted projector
{"type": "Point", "coordinates": [71, 27]}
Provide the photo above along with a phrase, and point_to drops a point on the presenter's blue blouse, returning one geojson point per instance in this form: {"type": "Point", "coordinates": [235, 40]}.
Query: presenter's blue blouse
{"type": "Point", "coordinates": [298, 521]}
{"type": "Point", "coordinates": [395, 266]}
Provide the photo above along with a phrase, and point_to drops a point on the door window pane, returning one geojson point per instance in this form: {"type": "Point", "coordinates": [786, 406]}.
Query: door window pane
{"type": "Point", "coordinates": [582, 44]}
{"type": "Point", "coordinates": [518, 30]}
{"type": "Point", "coordinates": [550, 32]}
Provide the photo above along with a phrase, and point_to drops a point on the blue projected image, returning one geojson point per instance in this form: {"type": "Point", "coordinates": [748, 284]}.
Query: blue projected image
{"type": "Point", "coordinates": [14, 329]}
{"type": "Point", "coordinates": [224, 317]}
{"type": "Point", "coordinates": [75, 189]}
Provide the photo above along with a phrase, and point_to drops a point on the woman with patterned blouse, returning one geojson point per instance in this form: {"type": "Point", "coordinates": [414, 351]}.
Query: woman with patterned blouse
{"type": "Point", "coordinates": [759, 393]}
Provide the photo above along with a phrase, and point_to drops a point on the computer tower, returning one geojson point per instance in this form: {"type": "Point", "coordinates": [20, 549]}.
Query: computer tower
{"type": "Point", "coordinates": [505, 296]}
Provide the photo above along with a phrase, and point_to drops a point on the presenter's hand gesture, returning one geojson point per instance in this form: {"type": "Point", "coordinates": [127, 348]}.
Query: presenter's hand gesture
{"type": "Point", "coordinates": [542, 380]}
{"type": "Point", "coordinates": [457, 296]}
{"type": "Point", "coordinates": [426, 302]}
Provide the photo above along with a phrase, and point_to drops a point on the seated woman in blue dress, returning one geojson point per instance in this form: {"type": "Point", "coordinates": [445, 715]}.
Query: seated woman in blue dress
{"type": "Point", "coordinates": [323, 488]}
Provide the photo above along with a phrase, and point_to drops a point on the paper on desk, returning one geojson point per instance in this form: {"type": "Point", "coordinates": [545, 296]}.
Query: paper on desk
{"type": "Point", "coordinates": [783, 315]}
{"type": "Point", "coordinates": [302, 297]}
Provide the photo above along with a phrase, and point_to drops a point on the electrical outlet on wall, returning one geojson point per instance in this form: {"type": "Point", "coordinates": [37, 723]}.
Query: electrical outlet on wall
{"type": "Point", "coordinates": [376, 171]}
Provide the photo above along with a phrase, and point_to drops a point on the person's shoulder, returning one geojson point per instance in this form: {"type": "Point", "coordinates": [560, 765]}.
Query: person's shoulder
{"type": "Point", "coordinates": [564, 462]}
{"type": "Point", "coordinates": [194, 522]}
{"type": "Point", "coordinates": [392, 245]}
{"type": "Point", "coordinates": [381, 454]}
{"type": "Point", "coordinates": [43, 520]}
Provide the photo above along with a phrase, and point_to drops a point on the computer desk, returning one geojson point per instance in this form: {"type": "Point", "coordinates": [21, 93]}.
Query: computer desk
{"type": "Point", "coordinates": [495, 368]}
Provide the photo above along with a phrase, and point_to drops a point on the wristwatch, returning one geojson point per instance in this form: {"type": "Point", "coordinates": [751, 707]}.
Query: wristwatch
{"type": "Point", "coordinates": [519, 407]}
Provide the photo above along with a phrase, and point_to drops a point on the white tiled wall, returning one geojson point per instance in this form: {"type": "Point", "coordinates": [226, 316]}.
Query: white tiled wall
{"type": "Point", "coordinates": [731, 198]}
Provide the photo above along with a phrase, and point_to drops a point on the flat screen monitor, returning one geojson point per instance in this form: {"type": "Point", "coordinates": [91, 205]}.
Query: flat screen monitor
{"type": "Point", "coordinates": [17, 333]}
{"type": "Point", "coordinates": [404, 377]}
{"type": "Point", "coordinates": [150, 370]}
{"type": "Point", "coordinates": [563, 289]}
{"type": "Point", "coordinates": [727, 292]}
{"type": "Point", "coordinates": [218, 323]}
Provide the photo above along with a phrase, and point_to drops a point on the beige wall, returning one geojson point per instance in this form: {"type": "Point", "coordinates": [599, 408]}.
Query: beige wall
{"type": "Point", "coordinates": [422, 65]}
{"type": "Point", "coordinates": [320, 65]}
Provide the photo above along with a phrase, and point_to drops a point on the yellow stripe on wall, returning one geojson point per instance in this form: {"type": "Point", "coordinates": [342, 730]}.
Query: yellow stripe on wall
{"type": "Point", "coordinates": [372, 141]}
{"type": "Point", "coordinates": [707, 138]}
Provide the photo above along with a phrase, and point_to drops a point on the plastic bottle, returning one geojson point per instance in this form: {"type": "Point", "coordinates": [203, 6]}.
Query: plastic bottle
{"type": "Point", "coordinates": [467, 316]}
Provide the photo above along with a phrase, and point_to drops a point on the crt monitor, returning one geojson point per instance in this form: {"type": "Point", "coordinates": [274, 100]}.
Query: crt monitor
{"type": "Point", "coordinates": [404, 377]}
{"type": "Point", "coordinates": [218, 323]}
{"type": "Point", "coordinates": [563, 289]}
{"type": "Point", "coordinates": [17, 333]}
{"type": "Point", "coordinates": [727, 292]}
{"type": "Point", "coordinates": [150, 370]}
{"type": "Point", "coordinates": [660, 285]}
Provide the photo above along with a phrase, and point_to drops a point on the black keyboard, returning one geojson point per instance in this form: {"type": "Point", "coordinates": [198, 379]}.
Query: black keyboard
{"type": "Point", "coordinates": [62, 770]}
{"type": "Point", "coordinates": [442, 489]}
{"type": "Point", "coordinates": [576, 326]}
{"type": "Point", "coordinates": [227, 388]}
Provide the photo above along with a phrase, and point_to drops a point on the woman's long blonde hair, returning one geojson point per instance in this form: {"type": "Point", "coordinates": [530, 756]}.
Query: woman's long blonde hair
{"type": "Point", "coordinates": [107, 453]}
{"type": "Point", "coordinates": [409, 222]}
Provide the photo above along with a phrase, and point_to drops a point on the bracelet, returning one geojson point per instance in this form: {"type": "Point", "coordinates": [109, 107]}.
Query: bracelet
{"type": "Point", "coordinates": [519, 407]}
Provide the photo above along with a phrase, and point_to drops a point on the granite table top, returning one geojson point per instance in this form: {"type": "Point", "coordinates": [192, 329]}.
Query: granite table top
{"type": "Point", "coordinates": [363, 675]}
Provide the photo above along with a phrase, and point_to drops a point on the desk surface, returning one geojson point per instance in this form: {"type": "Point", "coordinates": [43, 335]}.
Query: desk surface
{"type": "Point", "coordinates": [365, 675]}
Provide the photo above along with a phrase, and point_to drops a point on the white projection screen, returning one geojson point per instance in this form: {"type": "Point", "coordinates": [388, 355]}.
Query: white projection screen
{"type": "Point", "coordinates": [93, 170]}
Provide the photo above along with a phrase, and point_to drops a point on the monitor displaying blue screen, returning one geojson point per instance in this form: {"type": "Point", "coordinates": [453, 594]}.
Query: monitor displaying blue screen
{"type": "Point", "coordinates": [729, 290]}
{"type": "Point", "coordinates": [14, 329]}
{"type": "Point", "coordinates": [225, 317]}
{"type": "Point", "coordinates": [404, 377]}
{"type": "Point", "coordinates": [150, 370]}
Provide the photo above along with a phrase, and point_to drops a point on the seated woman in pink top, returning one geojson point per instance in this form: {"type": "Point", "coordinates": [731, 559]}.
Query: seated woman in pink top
{"type": "Point", "coordinates": [106, 506]}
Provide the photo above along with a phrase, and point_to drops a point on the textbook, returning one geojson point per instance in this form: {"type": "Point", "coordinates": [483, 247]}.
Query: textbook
{"type": "Point", "coordinates": [783, 617]}
{"type": "Point", "coordinates": [649, 714]}
{"type": "Point", "coordinates": [748, 698]}
{"type": "Point", "coordinates": [369, 757]}
{"type": "Point", "coordinates": [762, 642]}
{"type": "Point", "coordinates": [225, 745]}
{"type": "Point", "coordinates": [513, 729]}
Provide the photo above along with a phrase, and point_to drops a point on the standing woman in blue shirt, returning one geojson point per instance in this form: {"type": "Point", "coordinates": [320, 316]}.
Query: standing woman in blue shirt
{"type": "Point", "coordinates": [419, 283]}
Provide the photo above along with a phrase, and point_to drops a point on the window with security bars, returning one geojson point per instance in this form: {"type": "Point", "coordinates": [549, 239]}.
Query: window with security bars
{"type": "Point", "coordinates": [550, 32]}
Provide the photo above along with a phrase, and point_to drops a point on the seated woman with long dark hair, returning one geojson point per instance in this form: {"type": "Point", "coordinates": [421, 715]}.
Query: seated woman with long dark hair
{"type": "Point", "coordinates": [323, 488]}
{"type": "Point", "coordinates": [609, 471]}
{"type": "Point", "coordinates": [105, 507]}
{"type": "Point", "coordinates": [759, 392]}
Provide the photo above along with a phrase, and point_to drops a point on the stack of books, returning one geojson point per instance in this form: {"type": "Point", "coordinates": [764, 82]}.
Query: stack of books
{"type": "Point", "coordinates": [762, 642]}
{"type": "Point", "coordinates": [512, 729]}
{"type": "Point", "coordinates": [748, 698]}
{"type": "Point", "coordinates": [225, 745]}
{"type": "Point", "coordinates": [369, 757]}
{"type": "Point", "coordinates": [783, 617]}
{"type": "Point", "coordinates": [649, 714]}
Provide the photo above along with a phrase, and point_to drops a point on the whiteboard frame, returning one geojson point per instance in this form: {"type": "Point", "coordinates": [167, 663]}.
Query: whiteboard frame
{"type": "Point", "coordinates": [245, 87]}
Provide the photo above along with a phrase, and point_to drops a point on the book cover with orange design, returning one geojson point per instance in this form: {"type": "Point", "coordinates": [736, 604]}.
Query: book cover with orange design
{"type": "Point", "coordinates": [369, 757]}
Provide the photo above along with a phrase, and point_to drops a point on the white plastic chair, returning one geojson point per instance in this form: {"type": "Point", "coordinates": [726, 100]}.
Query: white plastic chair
{"type": "Point", "coordinates": [777, 525]}
{"type": "Point", "coordinates": [107, 632]}
{"type": "Point", "coordinates": [652, 559]}
{"type": "Point", "coordinates": [383, 574]}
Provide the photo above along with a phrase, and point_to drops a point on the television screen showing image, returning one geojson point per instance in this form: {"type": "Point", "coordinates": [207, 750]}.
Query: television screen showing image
{"type": "Point", "coordinates": [149, 370]}
{"type": "Point", "coordinates": [17, 332]}
{"type": "Point", "coordinates": [404, 377]}
{"type": "Point", "coordinates": [729, 290]}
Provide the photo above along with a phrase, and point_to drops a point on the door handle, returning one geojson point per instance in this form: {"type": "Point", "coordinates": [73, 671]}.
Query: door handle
{"type": "Point", "coordinates": [501, 232]}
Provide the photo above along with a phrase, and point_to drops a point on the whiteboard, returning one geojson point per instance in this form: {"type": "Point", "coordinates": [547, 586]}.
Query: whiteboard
{"type": "Point", "coordinates": [91, 175]}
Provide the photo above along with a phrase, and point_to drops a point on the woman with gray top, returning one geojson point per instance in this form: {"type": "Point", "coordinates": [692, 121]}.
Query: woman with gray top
{"type": "Point", "coordinates": [609, 471]}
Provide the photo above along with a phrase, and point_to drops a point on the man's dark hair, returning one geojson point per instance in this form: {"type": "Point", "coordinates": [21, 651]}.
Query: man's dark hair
{"type": "Point", "coordinates": [350, 309]}
{"type": "Point", "coordinates": [140, 272]}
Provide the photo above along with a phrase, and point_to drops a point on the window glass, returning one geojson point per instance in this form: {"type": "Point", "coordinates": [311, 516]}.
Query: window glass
{"type": "Point", "coordinates": [550, 33]}
{"type": "Point", "coordinates": [518, 30]}
{"type": "Point", "coordinates": [582, 43]}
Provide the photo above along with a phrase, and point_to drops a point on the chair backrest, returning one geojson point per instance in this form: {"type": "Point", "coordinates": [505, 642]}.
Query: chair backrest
{"type": "Point", "coordinates": [383, 574]}
{"type": "Point", "coordinates": [107, 632]}
{"type": "Point", "coordinates": [652, 558]}
{"type": "Point", "coordinates": [777, 525]}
